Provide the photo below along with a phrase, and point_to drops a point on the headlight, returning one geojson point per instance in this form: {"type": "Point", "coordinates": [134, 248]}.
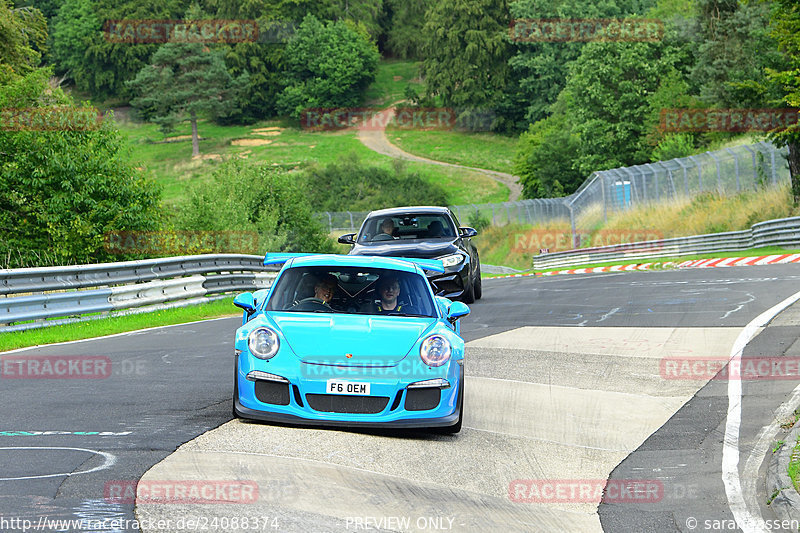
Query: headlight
{"type": "Point", "coordinates": [435, 350]}
{"type": "Point", "coordinates": [451, 260]}
{"type": "Point", "coordinates": [263, 343]}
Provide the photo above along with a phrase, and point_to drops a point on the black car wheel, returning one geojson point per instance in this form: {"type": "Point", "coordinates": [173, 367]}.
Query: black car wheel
{"type": "Point", "coordinates": [469, 292]}
{"type": "Point", "coordinates": [478, 288]}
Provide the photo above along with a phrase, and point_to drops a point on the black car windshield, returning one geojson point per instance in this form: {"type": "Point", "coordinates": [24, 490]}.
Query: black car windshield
{"type": "Point", "coordinates": [388, 229]}
{"type": "Point", "coordinates": [352, 290]}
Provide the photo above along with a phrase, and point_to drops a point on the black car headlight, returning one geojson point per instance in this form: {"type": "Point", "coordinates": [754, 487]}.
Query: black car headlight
{"type": "Point", "coordinates": [452, 260]}
{"type": "Point", "coordinates": [263, 343]}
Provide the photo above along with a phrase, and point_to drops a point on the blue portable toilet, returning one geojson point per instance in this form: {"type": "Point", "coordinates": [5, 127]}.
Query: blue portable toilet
{"type": "Point", "coordinates": [622, 194]}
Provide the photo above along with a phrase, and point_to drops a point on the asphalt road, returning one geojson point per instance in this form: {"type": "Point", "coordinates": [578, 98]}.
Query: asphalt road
{"type": "Point", "coordinates": [550, 396]}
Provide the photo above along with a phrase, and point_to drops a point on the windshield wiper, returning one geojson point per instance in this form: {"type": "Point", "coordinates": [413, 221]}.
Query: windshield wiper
{"type": "Point", "coordinates": [406, 314]}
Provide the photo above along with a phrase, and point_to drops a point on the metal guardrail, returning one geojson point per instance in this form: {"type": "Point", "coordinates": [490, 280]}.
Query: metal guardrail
{"type": "Point", "coordinates": [42, 294]}
{"type": "Point", "coordinates": [778, 232]}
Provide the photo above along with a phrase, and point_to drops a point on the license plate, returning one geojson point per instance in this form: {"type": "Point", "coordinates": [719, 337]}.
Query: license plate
{"type": "Point", "coordinates": [348, 387]}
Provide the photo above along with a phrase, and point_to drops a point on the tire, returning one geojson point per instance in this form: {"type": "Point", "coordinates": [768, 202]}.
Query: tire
{"type": "Point", "coordinates": [469, 292]}
{"type": "Point", "coordinates": [478, 290]}
{"type": "Point", "coordinates": [235, 388]}
{"type": "Point", "coordinates": [452, 430]}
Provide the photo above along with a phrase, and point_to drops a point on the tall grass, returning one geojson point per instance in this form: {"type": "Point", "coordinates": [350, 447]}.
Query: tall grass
{"type": "Point", "coordinates": [515, 245]}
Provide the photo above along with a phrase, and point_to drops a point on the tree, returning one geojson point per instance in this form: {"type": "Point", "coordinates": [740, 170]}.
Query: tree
{"type": "Point", "coordinates": [735, 48]}
{"type": "Point", "coordinates": [405, 37]}
{"type": "Point", "coordinates": [97, 62]}
{"type": "Point", "coordinates": [466, 51]}
{"type": "Point", "coordinates": [609, 86]}
{"type": "Point", "coordinates": [545, 159]}
{"type": "Point", "coordinates": [327, 65]}
{"type": "Point", "coordinates": [63, 191]}
{"type": "Point", "coordinates": [540, 69]}
{"type": "Point", "coordinates": [786, 29]}
{"type": "Point", "coordinates": [185, 81]}
{"type": "Point", "coordinates": [22, 32]}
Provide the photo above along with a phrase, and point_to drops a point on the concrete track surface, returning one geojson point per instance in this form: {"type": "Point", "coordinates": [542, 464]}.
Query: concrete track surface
{"type": "Point", "coordinates": [566, 385]}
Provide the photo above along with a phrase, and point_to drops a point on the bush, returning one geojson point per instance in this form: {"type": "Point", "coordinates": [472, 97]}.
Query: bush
{"type": "Point", "coordinates": [351, 185]}
{"type": "Point", "coordinates": [63, 191]}
{"type": "Point", "coordinates": [243, 197]}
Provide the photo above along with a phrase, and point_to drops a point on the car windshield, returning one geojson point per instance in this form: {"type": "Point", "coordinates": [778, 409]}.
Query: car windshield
{"type": "Point", "coordinates": [352, 290]}
{"type": "Point", "coordinates": [388, 229]}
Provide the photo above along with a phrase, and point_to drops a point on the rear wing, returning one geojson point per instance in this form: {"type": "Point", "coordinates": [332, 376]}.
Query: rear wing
{"type": "Point", "coordinates": [435, 265]}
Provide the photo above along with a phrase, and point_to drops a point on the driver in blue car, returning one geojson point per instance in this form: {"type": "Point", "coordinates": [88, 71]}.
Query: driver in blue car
{"type": "Point", "coordinates": [325, 288]}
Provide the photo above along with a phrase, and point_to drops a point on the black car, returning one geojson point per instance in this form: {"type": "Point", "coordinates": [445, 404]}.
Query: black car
{"type": "Point", "coordinates": [426, 232]}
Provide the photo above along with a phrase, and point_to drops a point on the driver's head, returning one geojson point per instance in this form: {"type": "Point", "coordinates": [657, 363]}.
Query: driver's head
{"type": "Point", "coordinates": [387, 226]}
{"type": "Point", "coordinates": [325, 287]}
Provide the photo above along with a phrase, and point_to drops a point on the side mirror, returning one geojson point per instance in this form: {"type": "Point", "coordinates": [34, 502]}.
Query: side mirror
{"type": "Point", "coordinates": [348, 239]}
{"type": "Point", "coordinates": [467, 232]}
{"type": "Point", "coordinates": [245, 301]}
{"type": "Point", "coordinates": [457, 310]}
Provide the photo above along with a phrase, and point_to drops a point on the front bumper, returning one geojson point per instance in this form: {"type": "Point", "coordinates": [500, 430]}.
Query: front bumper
{"type": "Point", "coordinates": [403, 408]}
{"type": "Point", "coordinates": [451, 283]}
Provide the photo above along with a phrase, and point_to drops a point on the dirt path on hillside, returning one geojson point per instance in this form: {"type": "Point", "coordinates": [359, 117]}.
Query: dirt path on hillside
{"type": "Point", "coordinates": [373, 135]}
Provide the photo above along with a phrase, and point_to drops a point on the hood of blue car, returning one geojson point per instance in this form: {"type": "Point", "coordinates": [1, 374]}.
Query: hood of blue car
{"type": "Point", "coordinates": [421, 249]}
{"type": "Point", "coordinates": [369, 340]}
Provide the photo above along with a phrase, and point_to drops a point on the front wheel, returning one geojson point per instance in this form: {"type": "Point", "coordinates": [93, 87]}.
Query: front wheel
{"type": "Point", "coordinates": [452, 430]}
{"type": "Point", "coordinates": [478, 290]}
{"type": "Point", "coordinates": [469, 292]}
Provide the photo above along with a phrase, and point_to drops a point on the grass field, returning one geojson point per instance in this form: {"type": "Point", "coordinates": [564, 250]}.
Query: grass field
{"type": "Point", "coordinates": [118, 324]}
{"type": "Point", "coordinates": [171, 164]}
{"type": "Point", "coordinates": [391, 82]}
{"type": "Point", "coordinates": [479, 150]}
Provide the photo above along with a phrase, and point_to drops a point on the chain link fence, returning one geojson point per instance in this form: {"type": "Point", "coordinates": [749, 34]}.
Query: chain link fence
{"type": "Point", "coordinates": [727, 171]}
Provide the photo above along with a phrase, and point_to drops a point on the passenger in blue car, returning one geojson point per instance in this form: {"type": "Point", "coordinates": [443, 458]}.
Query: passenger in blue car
{"type": "Point", "coordinates": [389, 292]}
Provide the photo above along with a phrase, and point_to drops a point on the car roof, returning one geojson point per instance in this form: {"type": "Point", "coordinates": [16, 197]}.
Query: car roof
{"type": "Point", "coordinates": [354, 260]}
{"type": "Point", "coordinates": [420, 209]}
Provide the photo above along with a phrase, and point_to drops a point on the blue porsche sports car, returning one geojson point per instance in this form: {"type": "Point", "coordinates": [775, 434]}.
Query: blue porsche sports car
{"type": "Point", "coordinates": [350, 341]}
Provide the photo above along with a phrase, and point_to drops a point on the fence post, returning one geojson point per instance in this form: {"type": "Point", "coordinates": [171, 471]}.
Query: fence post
{"type": "Point", "coordinates": [774, 175]}
{"type": "Point", "coordinates": [755, 169]}
{"type": "Point", "coordinates": [699, 172]}
{"type": "Point", "coordinates": [719, 175]}
{"type": "Point", "coordinates": [736, 168]}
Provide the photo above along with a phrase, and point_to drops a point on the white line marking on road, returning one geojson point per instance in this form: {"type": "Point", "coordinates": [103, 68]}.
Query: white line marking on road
{"type": "Point", "coordinates": [742, 304]}
{"type": "Point", "coordinates": [605, 316]}
{"type": "Point", "coordinates": [747, 521]}
{"type": "Point", "coordinates": [110, 459]}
